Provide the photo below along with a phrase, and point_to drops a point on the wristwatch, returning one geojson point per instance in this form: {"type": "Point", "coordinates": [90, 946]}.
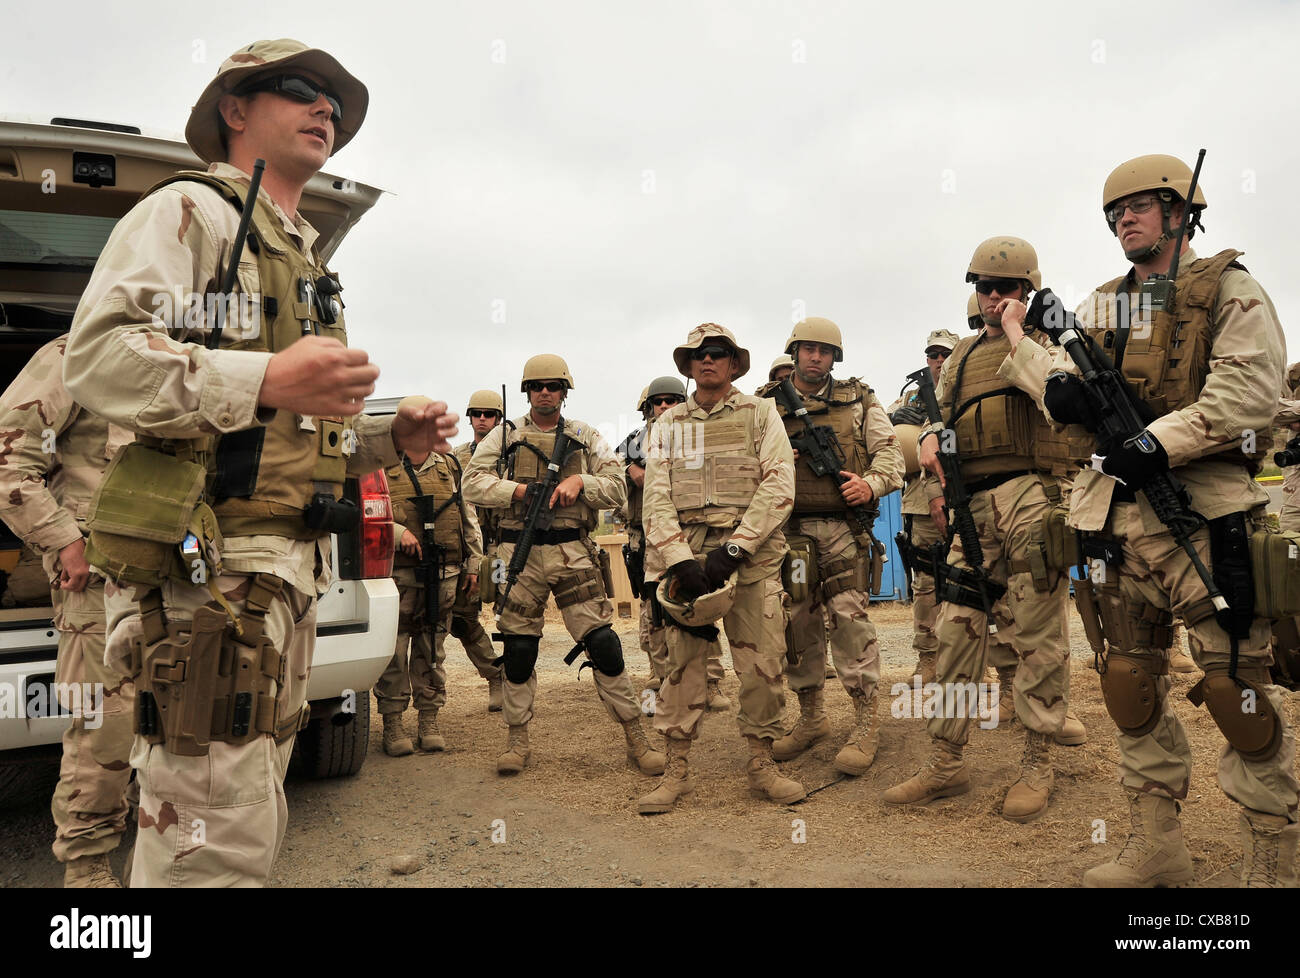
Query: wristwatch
{"type": "Point", "coordinates": [733, 551]}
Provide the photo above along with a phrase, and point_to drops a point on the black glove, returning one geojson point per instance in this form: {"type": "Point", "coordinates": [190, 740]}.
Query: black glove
{"type": "Point", "coordinates": [719, 565]}
{"type": "Point", "coordinates": [908, 415]}
{"type": "Point", "coordinates": [1066, 400]}
{"type": "Point", "coordinates": [1137, 461]}
{"type": "Point", "coordinates": [691, 579]}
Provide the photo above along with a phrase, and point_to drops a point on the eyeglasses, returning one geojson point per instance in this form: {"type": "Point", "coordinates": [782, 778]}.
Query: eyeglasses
{"type": "Point", "coordinates": [550, 386]}
{"type": "Point", "coordinates": [1138, 205]}
{"type": "Point", "coordinates": [937, 355]}
{"type": "Point", "coordinates": [713, 352]}
{"type": "Point", "coordinates": [476, 413]}
{"type": "Point", "coordinates": [1002, 286]}
{"type": "Point", "coordinates": [666, 399]}
{"type": "Point", "coordinates": [298, 88]}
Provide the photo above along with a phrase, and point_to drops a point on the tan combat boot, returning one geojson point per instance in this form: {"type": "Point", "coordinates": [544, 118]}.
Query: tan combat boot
{"type": "Point", "coordinates": [427, 733]}
{"type": "Point", "coordinates": [944, 774]}
{"type": "Point", "coordinates": [494, 694]}
{"type": "Point", "coordinates": [1181, 662]}
{"type": "Point", "coordinates": [860, 750]}
{"type": "Point", "coordinates": [1268, 850]}
{"type": "Point", "coordinates": [513, 759]}
{"type": "Point", "coordinates": [677, 781]}
{"type": "Point", "coordinates": [396, 743]}
{"type": "Point", "coordinates": [926, 666]}
{"type": "Point", "coordinates": [812, 726]}
{"type": "Point", "coordinates": [1027, 798]}
{"type": "Point", "coordinates": [764, 780]}
{"type": "Point", "coordinates": [1154, 855]}
{"type": "Point", "coordinates": [639, 752]}
{"type": "Point", "coordinates": [654, 682]}
{"type": "Point", "coordinates": [89, 872]}
{"type": "Point", "coordinates": [1072, 732]}
{"type": "Point", "coordinates": [717, 699]}
{"type": "Point", "coordinates": [1006, 711]}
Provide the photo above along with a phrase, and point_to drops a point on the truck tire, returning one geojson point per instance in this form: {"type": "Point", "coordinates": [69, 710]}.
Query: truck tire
{"type": "Point", "coordinates": [30, 781]}
{"type": "Point", "coordinates": [328, 748]}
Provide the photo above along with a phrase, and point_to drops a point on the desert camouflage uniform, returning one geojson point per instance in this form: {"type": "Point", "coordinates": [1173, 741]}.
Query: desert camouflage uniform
{"type": "Point", "coordinates": [465, 625]}
{"type": "Point", "coordinates": [559, 568]}
{"type": "Point", "coordinates": [53, 454]}
{"type": "Point", "coordinates": [216, 820]}
{"type": "Point", "coordinates": [1246, 367]}
{"type": "Point", "coordinates": [1289, 517]}
{"type": "Point", "coordinates": [421, 676]}
{"type": "Point", "coordinates": [755, 626]}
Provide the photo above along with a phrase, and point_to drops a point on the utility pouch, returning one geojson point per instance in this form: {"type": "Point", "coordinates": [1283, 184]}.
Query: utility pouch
{"type": "Point", "coordinates": [487, 581]}
{"type": "Point", "coordinates": [142, 510]}
{"type": "Point", "coordinates": [872, 570]}
{"type": "Point", "coordinates": [606, 572]}
{"type": "Point", "coordinates": [1059, 542]}
{"type": "Point", "coordinates": [1285, 670]}
{"type": "Point", "coordinates": [799, 569]}
{"type": "Point", "coordinates": [1275, 563]}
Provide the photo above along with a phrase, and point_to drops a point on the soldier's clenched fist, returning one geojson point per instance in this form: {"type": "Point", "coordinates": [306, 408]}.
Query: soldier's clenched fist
{"type": "Point", "coordinates": [318, 376]}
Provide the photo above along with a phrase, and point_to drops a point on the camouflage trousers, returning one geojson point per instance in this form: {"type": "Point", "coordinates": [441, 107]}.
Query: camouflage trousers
{"type": "Point", "coordinates": [854, 647]}
{"type": "Point", "coordinates": [569, 571]}
{"type": "Point", "coordinates": [219, 819]}
{"type": "Point", "coordinates": [1161, 761]}
{"type": "Point", "coordinates": [466, 629]}
{"type": "Point", "coordinates": [654, 643]}
{"type": "Point", "coordinates": [1289, 518]}
{"type": "Point", "coordinates": [925, 610]}
{"type": "Point", "coordinates": [419, 676]}
{"type": "Point", "coordinates": [1005, 517]}
{"type": "Point", "coordinates": [89, 803]}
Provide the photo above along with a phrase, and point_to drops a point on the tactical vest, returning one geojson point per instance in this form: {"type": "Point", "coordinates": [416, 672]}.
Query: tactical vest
{"type": "Point", "coordinates": [635, 493]}
{"type": "Point", "coordinates": [526, 467]}
{"type": "Point", "coordinates": [714, 468]}
{"type": "Point", "coordinates": [443, 484]}
{"type": "Point", "coordinates": [999, 428]}
{"type": "Point", "coordinates": [821, 494]}
{"type": "Point", "coordinates": [1166, 358]}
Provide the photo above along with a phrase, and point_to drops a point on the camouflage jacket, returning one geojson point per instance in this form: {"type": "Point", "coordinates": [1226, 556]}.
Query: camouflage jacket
{"type": "Point", "coordinates": [487, 518]}
{"type": "Point", "coordinates": [917, 490]}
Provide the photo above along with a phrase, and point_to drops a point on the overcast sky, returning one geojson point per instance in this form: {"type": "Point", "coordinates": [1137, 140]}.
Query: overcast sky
{"type": "Point", "coordinates": [604, 176]}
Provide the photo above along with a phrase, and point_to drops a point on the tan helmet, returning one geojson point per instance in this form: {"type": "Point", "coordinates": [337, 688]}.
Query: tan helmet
{"type": "Point", "coordinates": [645, 396]}
{"type": "Point", "coordinates": [784, 360]}
{"type": "Point", "coordinates": [699, 337]}
{"type": "Point", "coordinates": [704, 610]}
{"type": "Point", "coordinates": [973, 316]}
{"type": "Point", "coordinates": [485, 401]}
{"type": "Point", "coordinates": [1149, 173]}
{"type": "Point", "coordinates": [908, 435]}
{"type": "Point", "coordinates": [946, 339]}
{"type": "Point", "coordinates": [815, 329]}
{"type": "Point", "coordinates": [262, 58]}
{"type": "Point", "coordinates": [1006, 257]}
{"type": "Point", "coordinates": [546, 366]}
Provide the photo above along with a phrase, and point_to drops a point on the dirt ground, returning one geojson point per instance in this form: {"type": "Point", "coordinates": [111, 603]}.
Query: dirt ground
{"type": "Point", "coordinates": [570, 819]}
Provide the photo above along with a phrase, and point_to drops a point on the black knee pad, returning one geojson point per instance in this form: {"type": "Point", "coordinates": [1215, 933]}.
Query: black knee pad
{"type": "Point", "coordinates": [604, 650]}
{"type": "Point", "coordinates": [459, 628]}
{"type": "Point", "coordinates": [520, 657]}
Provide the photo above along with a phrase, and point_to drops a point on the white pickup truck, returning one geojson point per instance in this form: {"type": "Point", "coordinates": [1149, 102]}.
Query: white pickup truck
{"type": "Point", "coordinates": [62, 188]}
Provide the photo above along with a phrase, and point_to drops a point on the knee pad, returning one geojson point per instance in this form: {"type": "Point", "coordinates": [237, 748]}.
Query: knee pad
{"type": "Point", "coordinates": [1131, 688]}
{"type": "Point", "coordinates": [1240, 709]}
{"type": "Point", "coordinates": [604, 650]}
{"type": "Point", "coordinates": [459, 628]}
{"type": "Point", "coordinates": [520, 657]}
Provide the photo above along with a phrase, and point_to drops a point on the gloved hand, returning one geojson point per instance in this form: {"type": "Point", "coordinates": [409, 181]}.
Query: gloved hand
{"type": "Point", "coordinates": [691, 579]}
{"type": "Point", "coordinates": [1137, 461]}
{"type": "Point", "coordinates": [1066, 400]}
{"type": "Point", "coordinates": [908, 415]}
{"type": "Point", "coordinates": [719, 565]}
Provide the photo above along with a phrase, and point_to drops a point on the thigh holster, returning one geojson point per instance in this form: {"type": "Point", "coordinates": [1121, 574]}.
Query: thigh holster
{"type": "Point", "coordinates": [1130, 685]}
{"type": "Point", "coordinates": [845, 573]}
{"type": "Point", "coordinates": [1241, 711]}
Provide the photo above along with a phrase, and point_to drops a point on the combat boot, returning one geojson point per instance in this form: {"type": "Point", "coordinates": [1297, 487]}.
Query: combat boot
{"type": "Point", "coordinates": [812, 726]}
{"type": "Point", "coordinates": [1154, 855]}
{"type": "Point", "coordinates": [944, 774]}
{"type": "Point", "coordinates": [677, 781]}
{"type": "Point", "coordinates": [654, 682]}
{"type": "Point", "coordinates": [494, 694]}
{"type": "Point", "coordinates": [1027, 798]}
{"type": "Point", "coordinates": [515, 757]}
{"type": "Point", "coordinates": [717, 699]}
{"type": "Point", "coordinates": [89, 872]}
{"type": "Point", "coordinates": [765, 780]}
{"type": "Point", "coordinates": [396, 743]}
{"type": "Point", "coordinates": [927, 664]}
{"type": "Point", "coordinates": [1268, 850]}
{"type": "Point", "coordinates": [1181, 662]}
{"type": "Point", "coordinates": [1006, 711]}
{"type": "Point", "coordinates": [639, 752]}
{"type": "Point", "coordinates": [1072, 732]}
{"type": "Point", "coordinates": [427, 733]}
{"type": "Point", "coordinates": [860, 750]}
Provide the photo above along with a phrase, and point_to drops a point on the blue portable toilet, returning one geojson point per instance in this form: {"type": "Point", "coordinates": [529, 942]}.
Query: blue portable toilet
{"type": "Point", "coordinates": [893, 582]}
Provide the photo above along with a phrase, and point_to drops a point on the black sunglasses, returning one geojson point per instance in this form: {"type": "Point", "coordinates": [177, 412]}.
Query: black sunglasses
{"type": "Point", "coordinates": [476, 413]}
{"type": "Point", "coordinates": [1002, 286]}
{"type": "Point", "coordinates": [714, 352]}
{"type": "Point", "coordinates": [550, 386]}
{"type": "Point", "coordinates": [298, 88]}
{"type": "Point", "coordinates": [937, 355]}
{"type": "Point", "coordinates": [666, 399]}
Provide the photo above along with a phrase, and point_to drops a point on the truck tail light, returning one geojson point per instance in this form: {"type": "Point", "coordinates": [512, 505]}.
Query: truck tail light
{"type": "Point", "coordinates": [376, 526]}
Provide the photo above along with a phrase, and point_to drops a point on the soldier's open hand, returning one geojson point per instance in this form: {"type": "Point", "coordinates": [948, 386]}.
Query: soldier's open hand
{"type": "Point", "coordinates": [318, 376]}
{"type": "Point", "coordinates": [567, 492]}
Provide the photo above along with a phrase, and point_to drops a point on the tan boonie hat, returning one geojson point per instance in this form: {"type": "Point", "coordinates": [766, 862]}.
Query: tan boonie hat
{"type": "Point", "coordinates": [941, 338]}
{"type": "Point", "coordinates": [203, 131]}
{"type": "Point", "coordinates": [697, 338]}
